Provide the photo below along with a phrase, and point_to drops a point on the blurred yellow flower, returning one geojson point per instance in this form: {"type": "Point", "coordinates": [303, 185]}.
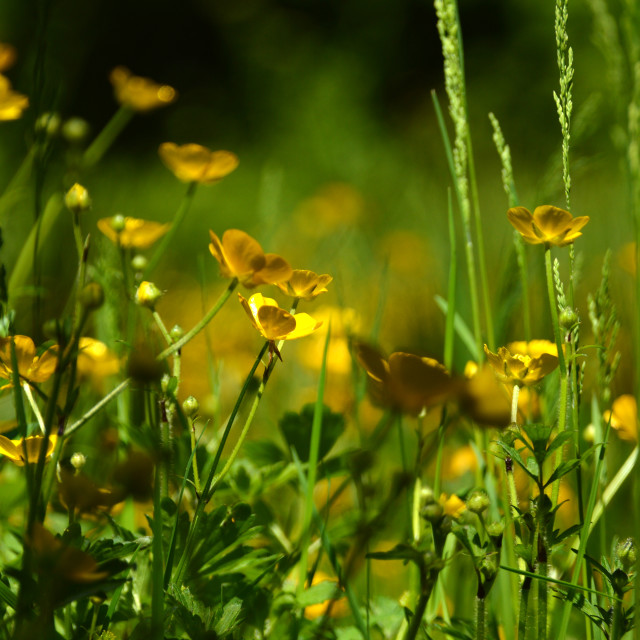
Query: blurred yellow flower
{"type": "Point", "coordinates": [31, 367]}
{"type": "Point", "coordinates": [195, 163]}
{"type": "Point", "coordinates": [547, 225]}
{"type": "Point", "coordinates": [523, 363]}
{"type": "Point", "coordinates": [336, 607]}
{"type": "Point", "coordinates": [134, 233]}
{"type": "Point", "coordinates": [12, 103]}
{"type": "Point", "coordinates": [406, 382]}
{"type": "Point", "coordinates": [61, 561]}
{"type": "Point", "coordinates": [275, 323]}
{"type": "Point", "coordinates": [240, 256]}
{"type": "Point", "coordinates": [140, 94]}
{"type": "Point", "coordinates": [624, 417]}
{"type": "Point", "coordinates": [15, 449]}
{"type": "Point", "coordinates": [305, 284]}
{"type": "Point", "coordinates": [452, 505]}
{"type": "Point", "coordinates": [483, 398]}
{"type": "Point", "coordinates": [8, 56]}
{"type": "Point", "coordinates": [95, 359]}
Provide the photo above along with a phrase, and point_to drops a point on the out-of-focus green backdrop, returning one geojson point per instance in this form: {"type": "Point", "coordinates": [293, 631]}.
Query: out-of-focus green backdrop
{"type": "Point", "coordinates": [327, 104]}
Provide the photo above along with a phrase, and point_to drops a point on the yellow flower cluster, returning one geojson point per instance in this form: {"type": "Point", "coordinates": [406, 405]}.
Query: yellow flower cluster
{"type": "Point", "coordinates": [12, 103]}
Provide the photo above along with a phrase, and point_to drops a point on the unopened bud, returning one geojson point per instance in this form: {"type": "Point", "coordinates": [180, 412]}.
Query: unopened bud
{"type": "Point", "coordinates": [77, 199]}
{"type": "Point", "coordinates": [139, 263]}
{"type": "Point", "coordinates": [568, 318]}
{"type": "Point", "coordinates": [148, 294]}
{"type": "Point", "coordinates": [432, 512]}
{"type": "Point", "coordinates": [176, 332]}
{"type": "Point", "coordinates": [164, 382]}
{"type": "Point", "coordinates": [589, 433]}
{"type": "Point", "coordinates": [478, 502]}
{"type": "Point", "coordinates": [49, 123]}
{"type": "Point", "coordinates": [75, 130]}
{"type": "Point", "coordinates": [118, 222]}
{"type": "Point", "coordinates": [190, 406]}
{"type": "Point", "coordinates": [78, 460]}
{"type": "Point", "coordinates": [626, 552]}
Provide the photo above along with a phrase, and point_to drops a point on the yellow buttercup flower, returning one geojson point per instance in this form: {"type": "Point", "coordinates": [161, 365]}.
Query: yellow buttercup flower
{"type": "Point", "coordinates": [32, 368]}
{"type": "Point", "coordinates": [405, 382]}
{"type": "Point", "coordinates": [305, 284]}
{"type": "Point", "coordinates": [132, 233]}
{"type": "Point", "coordinates": [624, 417]}
{"type": "Point", "coordinates": [195, 163]}
{"type": "Point", "coordinates": [140, 94]}
{"type": "Point", "coordinates": [240, 256]}
{"type": "Point", "coordinates": [12, 103]}
{"type": "Point", "coordinates": [547, 225]}
{"type": "Point", "coordinates": [15, 449]}
{"type": "Point", "coordinates": [95, 359]}
{"type": "Point", "coordinates": [8, 56]}
{"type": "Point", "coordinates": [523, 363]}
{"type": "Point", "coordinates": [452, 505]}
{"type": "Point", "coordinates": [275, 323]}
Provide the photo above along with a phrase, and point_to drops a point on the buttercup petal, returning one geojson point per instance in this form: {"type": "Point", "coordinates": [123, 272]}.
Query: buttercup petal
{"type": "Point", "coordinates": [276, 269]}
{"type": "Point", "coordinates": [372, 361]}
{"type": "Point", "coordinates": [244, 255]}
{"type": "Point", "coordinates": [276, 323]}
{"type": "Point", "coordinates": [522, 220]}
{"type": "Point", "coordinates": [552, 221]}
{"type": "Point", "coordinates": [305, 325]}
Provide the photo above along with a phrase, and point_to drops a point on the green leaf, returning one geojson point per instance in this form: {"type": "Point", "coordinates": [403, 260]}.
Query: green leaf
{"type": "Point", "coordinates": [320, 592]}
{"type": "Point", "coordinates": [562, 469]}
{"type": "Point", "coordinates": [399, 552]}
{"type": "Point", "coordinates": [229, 618]}
{"type": "Point", "coordinates": [296, 429]}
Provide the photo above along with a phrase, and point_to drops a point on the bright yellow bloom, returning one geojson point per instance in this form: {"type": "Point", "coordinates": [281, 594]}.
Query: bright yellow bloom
{"type": "Point", "coordinates": [7, 56]}
{"type": "Point", "coordinates": [335, 607]}
{"type": "Point", "coordinates": [305, 284]}
{"type": "Point", "coordinates": [547, 225]}
{"type": "Point", "coordinates": [452, 505]}
{"type": "Point", "coordinates": [135, 234]}
{"type": "Point", "coordinates": [275, 323]}
{"type": "Point", "coordinates": [240, 256]}
{"type": "Point", "coordinates": [15, 449]}
{"type": "Point", "coordinates": [12, 103]}
{"type": "Point", "coordinates": [523, 363]}
{"type": "Point", "coordinates": [483, 398]}
{"type": "Point", "coordinates": [406, 382]}
{"type": "Point", "coordinates": [31, 368]}
{"type": "Point", "coordinates": [624, 417]}
{"type": "Point", "coordinates": [140, 94]}
{"type": "Point", "coordinates": [195, 163]}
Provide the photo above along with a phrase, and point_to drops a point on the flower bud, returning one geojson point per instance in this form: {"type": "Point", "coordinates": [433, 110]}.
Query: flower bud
{"type": "Point", "coordinates": [77, 199]}
{"type": "Point", "coordinates": [118, 222]}
{"type": "Point", "coordinates": [78, 460]}
{"type": "Point", "coordinates": [75, 130]}
{"type": "Point", "coordinates": [432, 512]}
{"type": "Point", "coordinates": [589, 433]}
{"type": "Point", "coordinates": [568, 318]}
{"type": "Point", "coordinates": [139, 263]}
{"type": "Point", "coordinates": [190, 406]}
{"type": "Point", "coordinates": [426, 494]}
{"type": "Point", "coordinates": [478, 502]}
{"type": "Point", "coordinates": [164, 382]}
{"type": "Point", "coordinates": [92, 296]}
{"type": "Point", "coordinates": [626, 552]}
{"type": "Point", "coordinates": [489, 567]}
{"type": "Point", "coordinates": [176, 332]}
{"type": "Point", "coordinates": [148, 294]}
{"type": "Point", "coordinates": [49, 123]}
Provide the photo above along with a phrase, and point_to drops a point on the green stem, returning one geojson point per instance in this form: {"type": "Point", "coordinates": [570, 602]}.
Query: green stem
{"type": "Point", "coordinates": [514, 405]}
{"type": "Point", "coordinates": [161, 326]}
{"type": "Point", "coordinates": [107, 136]}
{"type": "Point", "coordinates": [157, 573]}
{"type": "Point", "coordinates": [314, 448]}
{"type": "Point", "coordinates": [170, 235]}
{"type": "Point", "coordinates": [96, 408]}
{"type": "Point", "coordinates": [449, 336]}
{"type": "Point", "coordinates": [543, 588]}
{"type": "Point", "coordinates": [196, 474]}
{"type": "Point", "coordinates": [525, 591]}
{"type": "Point", "coordinates": [202, 324]}
{"type": "Point", "coordinates": [481, 622]}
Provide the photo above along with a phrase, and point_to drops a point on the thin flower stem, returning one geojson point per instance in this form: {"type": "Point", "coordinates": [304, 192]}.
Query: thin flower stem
{"type": "Point", "coordinates": [107, 136]}
{"type": "Point", "coordinates": [514, 404]}
{"type": "Point", "coordinates": [481, 623]}
{"type": "Point", "coordinates": [202, 324]}
{"type": "Point", "coordinates": [449, 336]}
{"type": "Point", "coordinates": [34, 406]}
{"type": "Point", "coordinates": [196, 474]}
{"type": "Point", "coordinates": [96, 408]}
{"type": "Point", "coordinates": [204, 496]}
{"type": "Point", "coordinates": [166, 241]}
{"type": "Point", "coordinates": [314, 449]}
{"type": "Point", "coordinates": [162, 327]}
